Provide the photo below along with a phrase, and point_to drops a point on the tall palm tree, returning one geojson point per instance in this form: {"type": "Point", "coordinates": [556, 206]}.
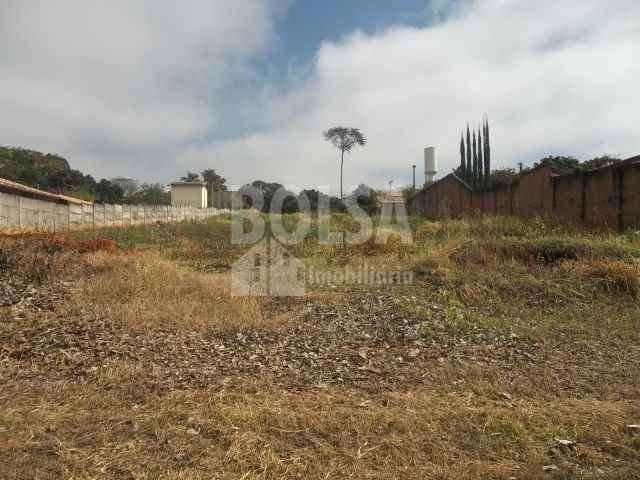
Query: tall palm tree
{"type": "Point", "coordinates": [344, 139]}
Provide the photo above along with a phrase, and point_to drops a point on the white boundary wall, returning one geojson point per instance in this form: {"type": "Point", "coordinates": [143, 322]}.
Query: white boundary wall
{"type": "Point", "coordinates": [22, 213]}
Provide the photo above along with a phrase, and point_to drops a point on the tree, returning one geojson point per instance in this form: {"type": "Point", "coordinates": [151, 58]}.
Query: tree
{"type": "Point", "coordinates": [336, 205]}
{"type": "Point", "coordinates": [44, 171]}
{"type": "Point", "coordinates": [107, 192]}
{"type": "Point", "coordinates": [469, 169]}
{"type": "Point", "coordinates": [314, 197]}
{"type": "Point", "coordinates": [599, 162]}
{"type": "Point", "coordinates": [475, 162]}
{"type": "Point", "coordinates": [462, 158]}
{"type": "Point", "coordinates": [366, 198]}
{"type": "Point", "coordinates": [481, 173]}
{"type": "Point", "coordinates": [215, 182]}
{"type": "Point", "coordinates": [568, 165]}
{"type": "Point", "coordinates": [268, 191]}
{"type": "Point", "coordinates": [560, 165]}
{"type": "Point", "coordinates": [190, 177]}
{"type": "Point", "coordinates": [344, 139]}
{"type": "Point", "coordinates": [477, 169]}
{"type": "Point", "coordinates": [65, 181]}
{"type": "Point", "coordinates": [127, 185]}
{"type": "Point", "coordinates": [503, 177]}
{"type": "Point", "coordinates": [149, 194]}
{"type": "Point", "coordinates": [487, 150]}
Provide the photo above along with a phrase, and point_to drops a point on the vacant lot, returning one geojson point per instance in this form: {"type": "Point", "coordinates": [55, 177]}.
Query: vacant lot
{"type": "Point", "coordinates": [513, 354]}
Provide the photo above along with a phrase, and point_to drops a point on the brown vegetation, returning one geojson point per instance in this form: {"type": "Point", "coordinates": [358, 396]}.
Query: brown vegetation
{"type": "Point", "coordinates": [513, 354]}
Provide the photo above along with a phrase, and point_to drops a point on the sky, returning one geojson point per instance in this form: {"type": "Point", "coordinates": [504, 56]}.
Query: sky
{"type": "Point", "coordinates": [152, 88]}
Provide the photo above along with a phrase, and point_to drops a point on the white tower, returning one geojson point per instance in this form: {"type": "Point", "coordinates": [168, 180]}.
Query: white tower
{"type": "Point", "coordinates": [430, 164]}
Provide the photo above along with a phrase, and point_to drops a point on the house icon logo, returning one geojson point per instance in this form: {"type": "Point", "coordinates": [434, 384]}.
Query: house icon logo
{"type": "Point", "coordinates": [268, 269]}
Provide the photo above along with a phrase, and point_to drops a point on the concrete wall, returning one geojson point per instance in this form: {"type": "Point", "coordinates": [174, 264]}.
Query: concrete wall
{"type": "Point", "coordinates": [20, 213]}
{"type": "Point", "coordinates": [606, 198]}
{"type": "Point", "coordinates": [191, 195]}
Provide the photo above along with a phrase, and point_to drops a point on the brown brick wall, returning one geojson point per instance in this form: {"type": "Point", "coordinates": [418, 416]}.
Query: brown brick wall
{"type": "Point", "coordinates": [535, 192]}
{"type": "Point", "coordinates": [607, 198]}
{"type": "Point", "coordinates": [504, 201]}
{"type": "Point", "coordinates": [568, 197]}
{"type": "Point", "coordinates": [601, 204]}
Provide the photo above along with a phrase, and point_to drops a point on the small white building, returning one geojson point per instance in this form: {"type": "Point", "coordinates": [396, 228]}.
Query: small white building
{"type": "Point", "coordinates": [189, 194]}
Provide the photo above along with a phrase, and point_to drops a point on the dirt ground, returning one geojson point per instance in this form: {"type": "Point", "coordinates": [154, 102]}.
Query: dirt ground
{"type": "Point", "coordinates": [514, 353]}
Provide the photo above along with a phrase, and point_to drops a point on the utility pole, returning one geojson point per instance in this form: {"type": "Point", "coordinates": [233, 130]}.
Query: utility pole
{"type": "Point", "coordinates": [414, 178]}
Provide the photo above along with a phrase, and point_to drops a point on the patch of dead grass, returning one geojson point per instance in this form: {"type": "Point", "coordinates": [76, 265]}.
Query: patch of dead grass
{"type": "Point", "coordinates": [614, 276]}
{"type": "Point", "coordinates": [579, 384]}
{"type": "Point", "coordinates": [143, 290]}
{"type": "Point", "coordinates": [80, 431]}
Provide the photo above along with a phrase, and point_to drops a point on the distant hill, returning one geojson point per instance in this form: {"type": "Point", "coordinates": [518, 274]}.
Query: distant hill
{"type": "Point", "coordinates": [53, 173]}
{"type": "Point", "coordinates": [30, 167]}
{"type": "Point", "coordinates": [45, 171]}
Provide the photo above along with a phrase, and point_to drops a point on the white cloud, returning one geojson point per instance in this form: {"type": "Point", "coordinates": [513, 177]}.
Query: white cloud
{"type": "Point", "coordinates": [87, 78]}
{"type": "Point", "coordinates": [145, 88]}
{"type": "Point", "coordinates": [554, 78]}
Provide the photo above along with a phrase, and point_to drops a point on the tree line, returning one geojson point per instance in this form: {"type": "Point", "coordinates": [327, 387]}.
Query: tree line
{"type": "Point", "coordinates": [308, 200]}
{"type": "Point", "coordinates": [52, 173]}
{"type": "Point", "coordinates": [561, 165]}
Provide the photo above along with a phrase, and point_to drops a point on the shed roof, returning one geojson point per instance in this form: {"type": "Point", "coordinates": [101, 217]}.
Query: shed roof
{"type": "Point", "coordinates": [77, 201]}
{"type": "Point", "coordinates": [18, 188]}
{"type": "Point", "coordinates": [632, 161]}
{"type": "Point", "coordinates": [201, 184]}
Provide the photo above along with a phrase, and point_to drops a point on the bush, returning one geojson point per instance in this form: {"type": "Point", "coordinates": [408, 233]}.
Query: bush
{"type": "Point", "coordinates": [34, 258]}
{"type": "Point", "coordinates": [40, 257]}
{"type": "Point", "coordinates": [616, 276]}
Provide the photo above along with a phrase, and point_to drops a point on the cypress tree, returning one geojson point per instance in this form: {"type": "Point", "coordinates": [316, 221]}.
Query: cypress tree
{"type": "Point", "coordinates": [469, 169]}
{"type": "Point", "coordinates": [463, 165]}
{"type": "Point", "coordinates": [481, 173]}
{"type": "Point", "coordinates": [475, 161]}
{"type": "Point", "coordinates": [487, 150]}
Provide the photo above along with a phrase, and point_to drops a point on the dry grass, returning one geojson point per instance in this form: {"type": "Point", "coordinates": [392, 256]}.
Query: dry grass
{"type": "Point", "coordinates": [515, 334]}
{"type": "Point", "coordinates": [615, 276]}
{"type": "Point", "coordinates": [74, 432]}
{"type": "Point", "coordinates": [152, 292]}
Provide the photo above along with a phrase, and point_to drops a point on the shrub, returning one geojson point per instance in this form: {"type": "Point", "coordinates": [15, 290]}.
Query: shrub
{"type": "Point", "coordinates": [616, 276]}
{"type": "Point", "coordinates": [35, 258]}
{"type": "Point", "coordinates": [39, 257]}
{"type": "Point", "coordinates": [97, 245]}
